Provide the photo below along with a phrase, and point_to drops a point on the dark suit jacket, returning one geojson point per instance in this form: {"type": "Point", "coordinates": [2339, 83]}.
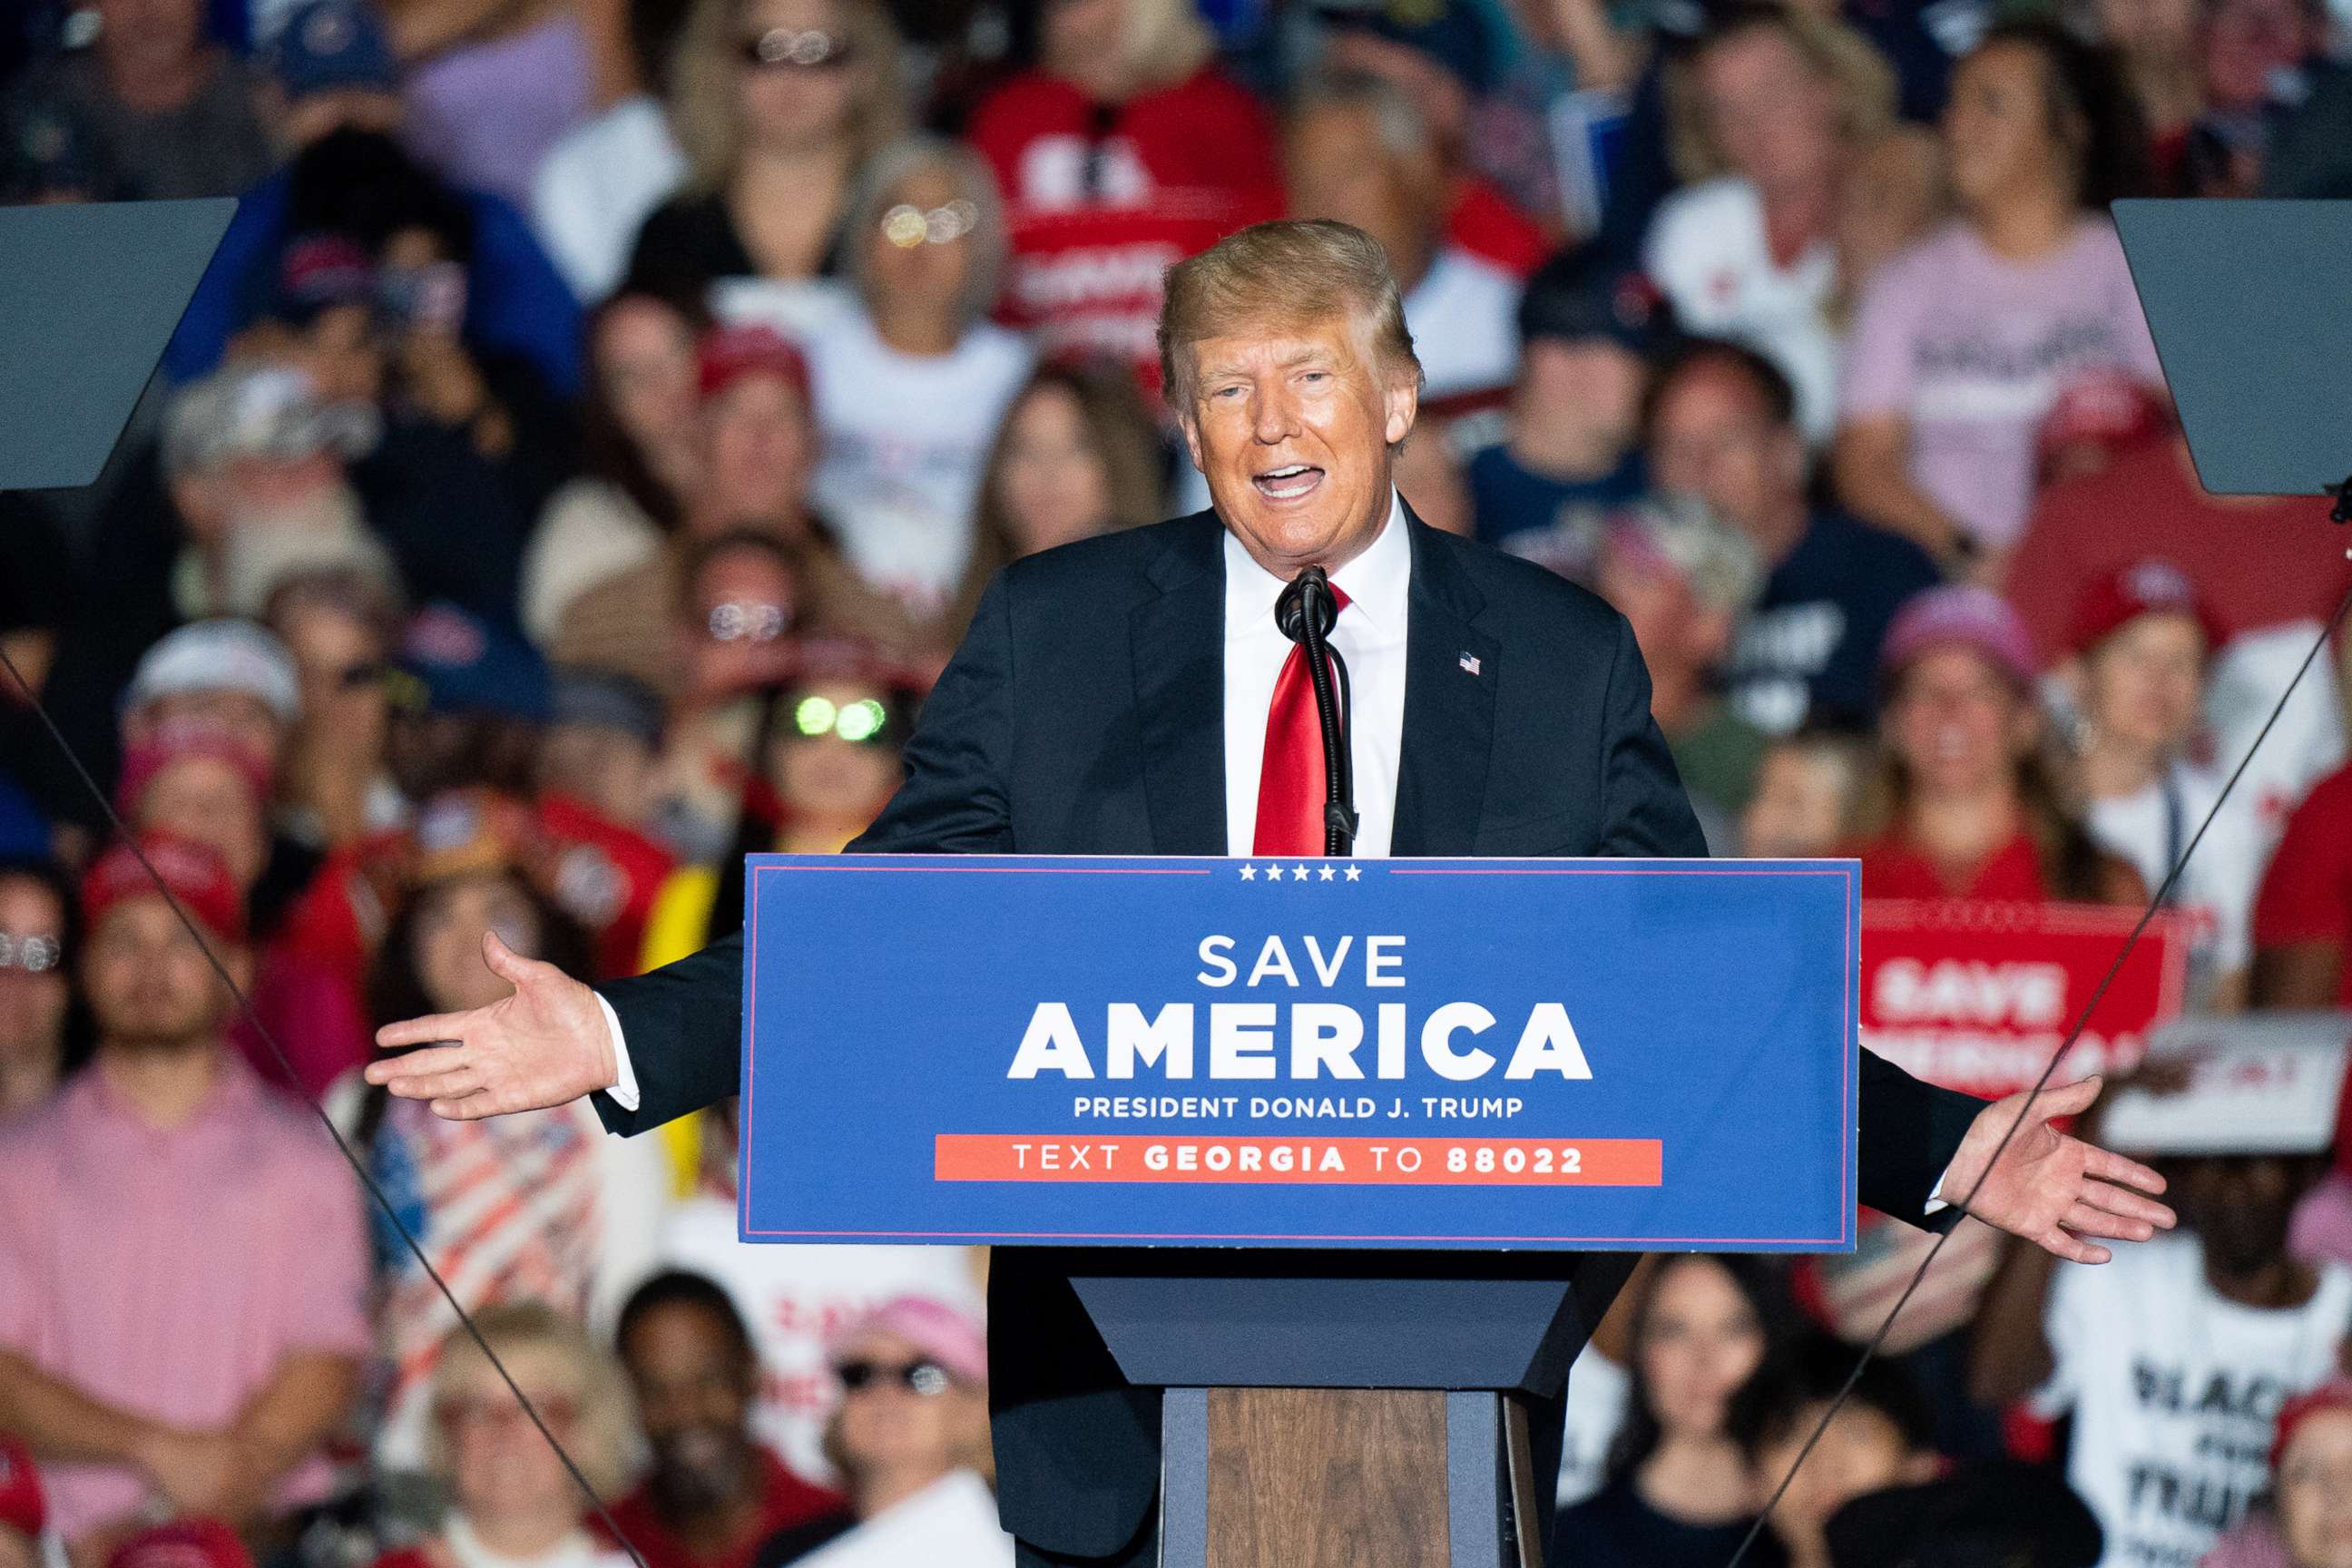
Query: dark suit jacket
{"type": "Point", "coordinates": [1084, 714]}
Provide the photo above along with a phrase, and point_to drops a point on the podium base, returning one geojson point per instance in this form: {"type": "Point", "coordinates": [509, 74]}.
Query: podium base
{"type": "Point", "coordinates": [1345, 1478]}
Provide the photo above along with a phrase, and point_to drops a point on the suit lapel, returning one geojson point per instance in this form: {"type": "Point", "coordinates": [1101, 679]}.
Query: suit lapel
{"type": "Point", "coordinates": [1450, 670]}
{"type": "Point", "coordinates": [1177, 640]}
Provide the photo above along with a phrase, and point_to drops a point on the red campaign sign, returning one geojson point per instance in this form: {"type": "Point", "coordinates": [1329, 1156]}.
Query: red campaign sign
{"type": "Point", "coordinates": [1978, 997]}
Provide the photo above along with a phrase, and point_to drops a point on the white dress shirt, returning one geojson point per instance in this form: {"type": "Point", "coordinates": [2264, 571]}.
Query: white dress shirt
{"type": "Point", "coordinates": [1369, 635]}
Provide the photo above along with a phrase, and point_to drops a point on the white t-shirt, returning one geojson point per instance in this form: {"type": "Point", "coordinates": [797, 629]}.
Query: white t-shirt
{"type": "Point", "coordinates": [2216, 890]}
{"type": "Point", "coordinates": [1464, 318]}
{"type": "Point", "coordinates": [906, 438]}
{"type": "Point", "coordinates": [1707, 254]}
{"type": "Point", "coordinates": [2174, 1391]}
{"type": "Point", "coordinates": [796, 1299]}
{"type": "Point", "coordinates": [1597, 1391]}
{"type": "Point", "coordinates": [2306, 744]}
{"type": "Point", "coordinates": [595, 187]}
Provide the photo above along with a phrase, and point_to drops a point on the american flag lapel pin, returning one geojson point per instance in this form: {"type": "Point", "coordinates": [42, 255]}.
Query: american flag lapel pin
{"type": "Point", "coordinates": [1470, 664]}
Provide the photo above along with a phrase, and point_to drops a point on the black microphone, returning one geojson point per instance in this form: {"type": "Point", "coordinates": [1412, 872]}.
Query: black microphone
{"type": "Point", "coordinates": [1306, 612]}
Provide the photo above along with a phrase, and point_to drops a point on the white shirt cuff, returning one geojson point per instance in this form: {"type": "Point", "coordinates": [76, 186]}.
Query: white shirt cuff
{"type": "Point", "coordinates": [624, 1077]}
{"type": "Point", "coordinates": [1936, 1204]}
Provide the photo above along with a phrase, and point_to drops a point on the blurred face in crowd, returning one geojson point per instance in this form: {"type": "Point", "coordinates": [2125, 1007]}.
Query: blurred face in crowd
{"type": "Point", "coordinates": [2141, 686]}
{"type": "Point", "coordinates": [800, 99]}
{"type": "Point", "coordinates": [610, 769]}
{"type": "Point", "coordinates": [1052, 483]}
{"type": "Point", "coordinates": [1957, 725]}
{"type": "Point", "coordinates": [644, 364]}
{"type": "Point", "coordinates": [1699, 1340]}
{"type": "Point", "coordinates": [2146, 29]}
{"type": "Point", "coordinates": [33, 992]}
{"type": "Point", "coordinates": [147, 981]}
{"type": "Point", "coordinates": [315, 116]}
{"type": "Point", "coordinates": [916, 265]}
{"type": "Point", "coordinates": [836, 754]}
{"type": "Point", "coordinates": [1441, 98]}
{"type": "Point", "coordinates": [2315, 1491]}
{"type": "Point", "coordinates": [2247, 43]}
{"type": "Point", "coordinates": [499, 1467]}
{"type": "Point", "coordinates": [207, 499]}
{"type": "Point", "coordinates": [207, 801]}
{"type": "Point", "coordinates": [694, 1380]}
{"type": "Point", "coordinates": [447, 945]}
{"type": "Point", "coordinates": [338, 657]}
{"type": "Point", "coordinates": [140, 41]}
{"type": "Point", "coordinates": [904, 1414]}
{"type": "Point", "coordinates": [427, 753]}
{"type": "Point", "coordinates": [1593, 384]}
{"type": "Point", "coordinates": [1999, 137]}
{"type": "Point", "coordinates": [743, 604]}
{"type": "Point", "coordinates": [1679, 633]}
{"type": "Point", "coordinates": [1862, 1451]}
{"type": "Point", "coordinates": [2240, 1206]}
{"type": "Point", "coordinates": [1803, 798]}
{"type": "Point", "coordinates": [1338, 167]}
{"type": "Point", "coordinates": [1770, 113]}
{"type": "Point", "coordinates": [1712, 437]}
{"type": "Point", "coordinates": [757, 446]}
{"type": "Point", "coordinates": [1087, 42]}
{"type": "Point", "coordinates": [1291, 426]}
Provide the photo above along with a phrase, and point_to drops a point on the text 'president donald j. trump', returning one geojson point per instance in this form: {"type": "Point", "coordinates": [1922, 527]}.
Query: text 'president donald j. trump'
{"type": "Point", "coordinates": [1133, 695]}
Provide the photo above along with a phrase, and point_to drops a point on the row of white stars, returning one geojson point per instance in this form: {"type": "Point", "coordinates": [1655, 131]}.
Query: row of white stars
{"type": "Point", "coordinates": [1300, 873]}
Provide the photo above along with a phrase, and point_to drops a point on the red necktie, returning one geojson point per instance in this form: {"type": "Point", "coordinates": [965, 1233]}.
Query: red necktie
{"type": "Point", "coordinates": [1290, 786]}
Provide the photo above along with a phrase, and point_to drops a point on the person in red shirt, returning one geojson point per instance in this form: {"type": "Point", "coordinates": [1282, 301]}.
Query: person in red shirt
{"type": "Point", "coordinates": [712, 1494]}
{"type": "Point", "coordinates": [1121, 153]}
{"type": "Point", "coordinates": [2303, 916]}
{"type": "Point", "coordinates": [2256, 560]}
{"type": "Point", "coordinates": [1965, 807]}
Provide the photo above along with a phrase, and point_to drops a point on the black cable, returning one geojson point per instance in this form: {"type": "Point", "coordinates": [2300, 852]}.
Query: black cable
{"type": "Point", "coordinates": [342, 1145]}
{"type": "Point", "coordinates": [2155, 902]}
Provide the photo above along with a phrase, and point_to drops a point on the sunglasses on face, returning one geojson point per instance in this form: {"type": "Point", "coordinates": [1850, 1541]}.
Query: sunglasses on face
{"type": "Point", "coordinates": [907, 226]}
{"type": "Point", "coordinates": [33, 951]}
{"type": "Point", "coordinates": [860, 722]}
{"type": "Point", "coordinates": [927, 1378]}
{"type": "Point", "coordinates": [748, 620]}
{"type": "Point", "coordinates": [795, 49]}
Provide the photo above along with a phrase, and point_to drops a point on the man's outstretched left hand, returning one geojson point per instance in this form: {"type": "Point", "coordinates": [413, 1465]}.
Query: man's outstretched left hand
{"type": "Point", "coordinates": [2053, 1189]}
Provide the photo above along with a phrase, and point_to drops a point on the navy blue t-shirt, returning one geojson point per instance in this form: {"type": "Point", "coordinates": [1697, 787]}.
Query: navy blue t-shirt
{"type": "Point", "coordinates": [1810, 649]}
{"type": "Point", "coordinates": [1506, 497]}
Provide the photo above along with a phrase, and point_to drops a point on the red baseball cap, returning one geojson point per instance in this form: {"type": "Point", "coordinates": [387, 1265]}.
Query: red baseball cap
{"type": "Point", "coordinates": [727, 354]}
{"type": "Point", "coordinates": [22, 1506]}
{"type": "Point", "coordinates": [184, 1543]}
{"type": "Point", "coordinates": [2151, 586]}
{"type": "Point", "coordinates": [194, 872]}
{"type": "Point", "coordinates": [2334, 1395]}
{"type": "Point", "coordinates": [1959, 615]}
{"type": "Point", "coordinates": [2104, 409]}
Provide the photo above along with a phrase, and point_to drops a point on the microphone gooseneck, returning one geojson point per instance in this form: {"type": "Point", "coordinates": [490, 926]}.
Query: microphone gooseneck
{"type": "Point", "coordinates": [1306, 612]}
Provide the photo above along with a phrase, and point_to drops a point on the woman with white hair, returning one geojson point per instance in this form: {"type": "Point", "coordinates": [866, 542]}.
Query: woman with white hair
{"type": "Point", "coordinates": [911, 1439]}
{"type": "Point", "coordinates": [911, 378]}
{"type": "Point", "coordinates": [511, 1502]}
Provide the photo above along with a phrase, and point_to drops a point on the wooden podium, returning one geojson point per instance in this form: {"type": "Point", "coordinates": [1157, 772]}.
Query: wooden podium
{"type": "Point", "coordinates": [1339, 1410]}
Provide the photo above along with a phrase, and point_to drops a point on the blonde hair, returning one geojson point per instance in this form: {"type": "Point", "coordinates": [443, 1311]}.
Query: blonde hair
{"type": "Point", "coordinates": [1166, 42]}
{"type": "Point", "coordinates": [1859, 79]}
{"type": "Point", "coordinates": [533, 1332]}
{"type": "Point", "coordinates": [704, 100]}
{"type": "Point", "coordinates": [1287, 273]}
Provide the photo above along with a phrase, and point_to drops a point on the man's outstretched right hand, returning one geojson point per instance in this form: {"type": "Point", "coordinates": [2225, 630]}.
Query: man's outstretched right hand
{"type": "Point", "coordinates": [546, 1045]}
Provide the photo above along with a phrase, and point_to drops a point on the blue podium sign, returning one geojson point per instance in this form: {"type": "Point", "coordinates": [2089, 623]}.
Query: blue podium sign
{"type": "Point", "coordinates": [1488, 1054]}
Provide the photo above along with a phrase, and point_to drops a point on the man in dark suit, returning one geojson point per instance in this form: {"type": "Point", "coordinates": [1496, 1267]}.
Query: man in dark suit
{"type": "Point", "coordinates": [1131, 695]}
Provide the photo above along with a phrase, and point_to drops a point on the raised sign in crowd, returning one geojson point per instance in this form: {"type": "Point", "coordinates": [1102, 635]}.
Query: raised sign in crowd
{"type": "Point", "coordinates": [591, 438]}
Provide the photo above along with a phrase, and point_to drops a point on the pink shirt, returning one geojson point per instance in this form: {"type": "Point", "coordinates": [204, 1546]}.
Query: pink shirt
{"type": "Point", "coordinates": [167, 1271]}
{"type": "Point", "coordinates": [1973, 349]}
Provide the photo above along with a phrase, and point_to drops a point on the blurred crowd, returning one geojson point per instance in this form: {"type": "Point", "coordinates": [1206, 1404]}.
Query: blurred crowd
{"type": "Point", "coordinates": [590, 442]}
